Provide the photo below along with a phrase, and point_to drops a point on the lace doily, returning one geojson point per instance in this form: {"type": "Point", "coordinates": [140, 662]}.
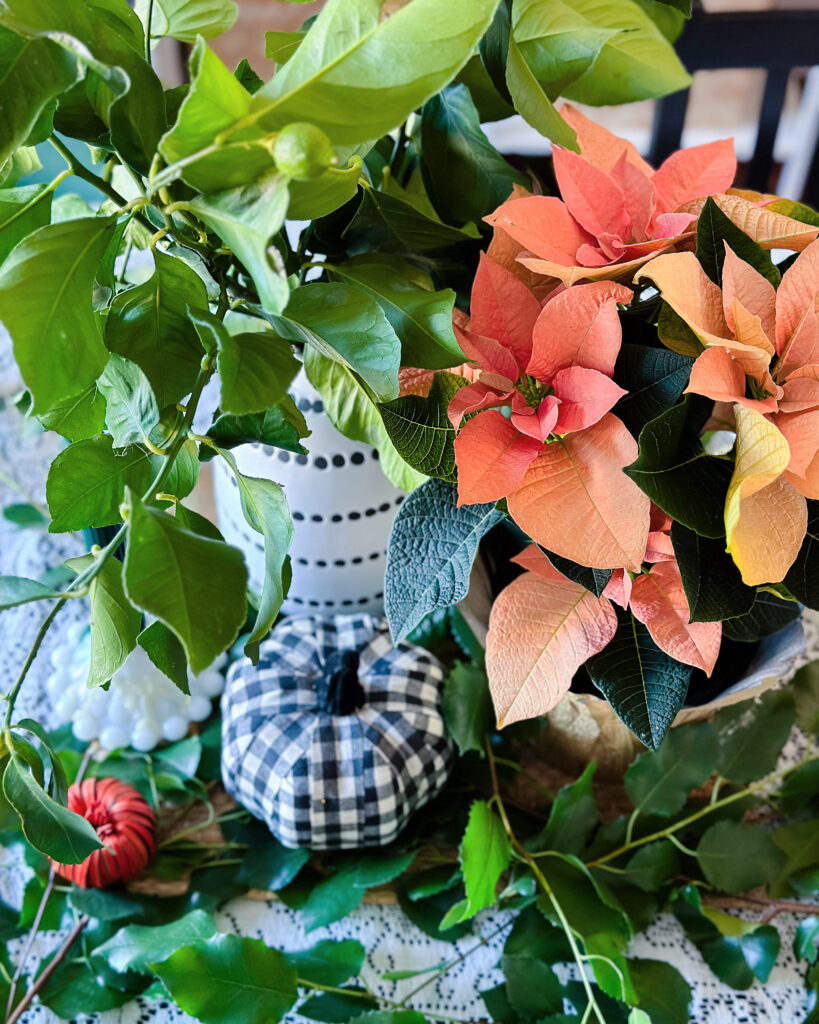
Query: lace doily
{"type": "Point", "coordinates": [391, 941]}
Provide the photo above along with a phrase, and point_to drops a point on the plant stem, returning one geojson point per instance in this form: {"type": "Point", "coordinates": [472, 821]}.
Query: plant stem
{"type": "Point", "coordinates": [60, 955]}
{"type": "Point", "coordinates": [35, 925]}
{"type": "Point", "coordinates": [11, 697]}
{"type": "Point", "coordinates": [592, 1006]}
{"type": "Point", "coordinates": [80, 171]}
{"type": "Point", "coordinates": [148, 31]}
{"type": "Point", "coordinates": [40, 195]}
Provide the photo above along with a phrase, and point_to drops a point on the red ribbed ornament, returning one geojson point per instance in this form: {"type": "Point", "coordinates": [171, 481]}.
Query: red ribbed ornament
{"type": "Point", "coordinates": [124, 822]}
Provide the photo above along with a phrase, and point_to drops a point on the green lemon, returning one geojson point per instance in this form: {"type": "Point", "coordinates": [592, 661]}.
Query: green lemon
{"type": "Point", "coordinates": [302, 150]}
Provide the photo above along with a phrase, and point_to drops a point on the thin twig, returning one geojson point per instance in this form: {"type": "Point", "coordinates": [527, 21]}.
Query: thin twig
{"type": "Point", "coordinates": [35, 925]}
{"type": "Point", "coordinates": [60, 955]}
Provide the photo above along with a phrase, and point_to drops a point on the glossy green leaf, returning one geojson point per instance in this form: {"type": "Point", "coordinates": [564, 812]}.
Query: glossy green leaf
{"type": "Point", "coordinates": [49, 827]}
{"type": "Point", "coordinates": [635, 64]}
{"type": "Point", "coordinates": [136, 946]}
{"type": "Point", "coordinates": [213, 103]}
{"type": "Point", "coordinates": [33, 73]}
{"type": "Point", "coordinates": [654, 379]}
{"type": "Point", "coordinates": [420, 316]}
{"type": "Point", "coordinates": [329, 962]}
{"type": "Point", "coordinates": [803, 576]}
{"type": "Point", "coordinates": [751, 735]}
{"type": "Point", "coordinates": [348, 326]}
{"type": "Point", "coordinates": [264, 507]}
{"type": "Point", "coordinates": [337, 895]}
{"type": "Point", "coordinates": [532, 987]}
{"type": "Point", "coordinates": [228, 978]}
{"type": "Point", "coordinates": [532, 102]}
{"type": "Point", "coordinates": [572, 816]}
{"type": "Point", "coordinates": [652, 866]}
{"type": "Point", "coordinates": [166, 652]}
{"type": "Point", "coordinates": [467, 707]}
{"type": "Point", "coordinates": [56, 334]}
{"type": "Point", "coordinates": [77, 988]}
{"type": "Point", "coordinates": [131, 410]}
{"type": "Point", "coordinates": [390, 1017]}
{"type": "Point", "coordinates": [673, 469]}
{"type": "Point", "coordinates": [86, 483]}
{"type": "Point", "coordinates": [255, 370]}
{"type": "Point", "coordinates": [186, 19]}
{"type": "Point", "coordinates": [432, 546]}
{"type": "Point", "coordinates": [22, 211]}
{"type": "Point", "coordinates": [465, 176]}
{"type": "Point", "coordinates": [349, 75]}
{"type": "Point", "coordinates": [353, 412]}
{"type": "Point", "coordinates": [15, 590]}
{"type": "Point", "coordinates": [760, 861]}
{"type": "Point", "coordinates": [658, 781]}
{"type": "Point", "coordinates": [800, 843]}
{"type": "Point", "coordinates": [338, 1007]}
{"type": "Point", "coordinates": [588, 906]}
{"type": "Point", "coordinates": [280, 46]}
{"type": "Point", "coordinates": [738, 952]}
{"type": "Point", "coordinates": [115, 623]}
{"type": "Point", "coordinates": [246, 219]}
{"type": "Point", "coordinates": [806, 939]}
{"type": "Point", "coordinates": [420, 430]}
{"type": "Point", "coordinates": [271, 866]}
{"type": "Point", "coordinates": [714, 231]}
{"type": "Point", "coordinates": [194, 585]}
{"type": "Point", "coordinates": [805, 690]}
{"type": "Point", "coordinates": [282, 426]}
{"type": "Point", "coordinates": [485, 853]}
{"type": "Point", "coordinates": [644, 686]}
{"type": "Point", "coordinates": [149, 325]}
{"type": "Point", "coordinates": [800, 788]}
{"type": "Point", "coordinates": [663, 993]}
{"type": "Point", "coordinates": [184, 471]}
{"type": "Point", "coordinates": [311, 198]}
{"type": "Point", "coordinates": [79, 417]}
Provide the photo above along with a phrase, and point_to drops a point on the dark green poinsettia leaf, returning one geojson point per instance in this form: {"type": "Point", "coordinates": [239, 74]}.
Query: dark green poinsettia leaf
{"type": "Point", "coordinates": [420, 316]}
{"type": "Point", "coordinates": [136, 946]}
{"type": "Point", "coordinates": [737, 951]}
{"type": "Point", "coordinates": [751, 735]}
{"type": "Point", "coordinates": [467, 706]}
{"type": "Point", "coordinates": [484, 854]}
{"type": "Point", "coordinates": [389, 223]}
{"type": "Point", "coordinates": [654, 378]}
{"type": "Point", "coordinates": [662, 992]}
{"type": "Point", "coordinates": [714, 231]}
{"type": "Point", "coordinates": [420, 428]}
{"type": "Point", "coordinates": [594, 580]}
{"type": "Point", "coordinates": [281, 426]}
{"type": "Point", "coordinates": [149, 324]}
{"type": "Point", "coordinates": [803, 576]}
{"type": "Point", "coordinates": [711, 580]}
{"type": "Point", "coordinates": [227, 978]}
{"type": "Point", "coordinates": [429, 567]}
{"type": "Point", "coordinates": [329, 962]}
{"type": "Point", "coordinates": [87, 480]}
{"type": "Point", "coordinates": [56, 334]}
{"type": "Point", "coordinates": [572, 816]}
{"type": "Point", "coordinates": [658, 781]}
{"type": "Point", "coordinates": [673, 469]}
{"type": "Point", "coordinates": [465, 176]}
{"type": "Point", "coordinates": [195, 585]}
{"type": "Point", "coordinates": [760, 860]}
{"type": "Point", "coordinates": [645, 687]}
{"type": "Point", "coordinates": [164, 649]}
{"type": "Point", "coordinates": [768, 614]}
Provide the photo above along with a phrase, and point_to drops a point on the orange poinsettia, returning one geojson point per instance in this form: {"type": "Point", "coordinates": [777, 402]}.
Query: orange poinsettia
{"type": "Point", "coordinates": [550, 366]}
{"type": "Point", "coordinates": [761, 354]}
{"type": "Point", "coordinates": [616, 211]}
{"type": "Point", "coordinates": [530, 671]}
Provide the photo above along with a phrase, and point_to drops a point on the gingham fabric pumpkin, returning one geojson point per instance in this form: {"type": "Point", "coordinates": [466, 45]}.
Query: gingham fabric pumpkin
{"type": "Point", "coordinates": [336, 736]}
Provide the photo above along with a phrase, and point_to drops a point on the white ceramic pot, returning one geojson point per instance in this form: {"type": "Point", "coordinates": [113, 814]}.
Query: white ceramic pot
{"type": "Point", "coordinates": [342, 507]}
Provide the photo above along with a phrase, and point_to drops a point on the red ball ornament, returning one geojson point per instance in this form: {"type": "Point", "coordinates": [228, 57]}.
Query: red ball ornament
{"type": "Point", "coordinates": [124, 822]}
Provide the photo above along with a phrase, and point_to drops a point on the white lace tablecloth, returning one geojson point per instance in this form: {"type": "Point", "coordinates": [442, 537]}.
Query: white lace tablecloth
{"type": "Point", "coordinates": [391, 941]}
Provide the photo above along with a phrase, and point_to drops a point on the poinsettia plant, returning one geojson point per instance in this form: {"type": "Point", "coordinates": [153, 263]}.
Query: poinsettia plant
{"type": "Point", "coordinates": [641, 399]}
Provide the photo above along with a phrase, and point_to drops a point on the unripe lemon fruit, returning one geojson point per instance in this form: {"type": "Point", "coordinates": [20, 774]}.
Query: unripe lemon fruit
{"type": "Point", "coordinates": [302, 150]}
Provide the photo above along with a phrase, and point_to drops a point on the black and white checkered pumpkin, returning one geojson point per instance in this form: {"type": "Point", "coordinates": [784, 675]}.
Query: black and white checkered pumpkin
{"type": "Point", "coordinates": [336, 736]}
